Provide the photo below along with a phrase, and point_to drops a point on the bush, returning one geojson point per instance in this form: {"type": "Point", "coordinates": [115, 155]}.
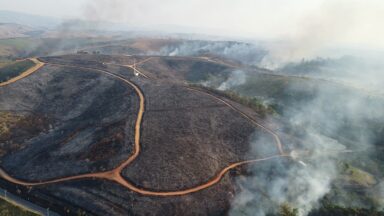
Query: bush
{"type": "Point", "coordinates": [254, 103]}
{"type": "Point", "coordinates": [287, 210]}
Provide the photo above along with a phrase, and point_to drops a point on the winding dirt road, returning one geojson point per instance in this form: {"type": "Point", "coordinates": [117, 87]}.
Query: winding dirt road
{"type": "Point", "coordinates": [133, 67]}
{"type": "Point", "coordinates": [274, 135]}
{"type": "Point", "coordinates": [115, 174]}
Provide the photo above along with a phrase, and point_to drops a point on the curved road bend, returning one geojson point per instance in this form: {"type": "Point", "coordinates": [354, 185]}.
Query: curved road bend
{"type": "Point", "coordinates": [26, 73]}
{"type": "Point", "coordinates": [274, 135]}
{"type": "Point", "coordinates": [115, 174]}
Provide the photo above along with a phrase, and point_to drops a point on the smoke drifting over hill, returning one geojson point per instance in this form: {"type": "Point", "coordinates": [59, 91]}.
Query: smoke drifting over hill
{"type": "Point", "coordinates": [335, 24]}
{"type": "Point", "coordinates": [333, 124]}
{"type": "Point", "coordinates": [236, 78]}
{"type": "Point", "coordinates": [318, 31]}
{"type": "Point", "coordinates": [243, 52]}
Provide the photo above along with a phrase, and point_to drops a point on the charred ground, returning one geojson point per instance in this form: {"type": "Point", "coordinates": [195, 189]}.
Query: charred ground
{"type": "Point", "coordinates": [85, 124]}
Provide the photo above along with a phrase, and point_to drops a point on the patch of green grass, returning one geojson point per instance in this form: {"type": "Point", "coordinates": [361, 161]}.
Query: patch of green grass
{"type": "Point", "coordinates": [12, 70]}
{"type": "Point", "coordinates": [8, 209]}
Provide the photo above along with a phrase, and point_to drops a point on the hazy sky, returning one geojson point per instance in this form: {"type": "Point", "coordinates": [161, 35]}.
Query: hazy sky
{"type": "Point", "coordinates": [358, 22]}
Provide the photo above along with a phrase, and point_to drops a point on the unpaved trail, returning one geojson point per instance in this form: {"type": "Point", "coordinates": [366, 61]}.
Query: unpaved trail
{"type": "Point", "coordinates": [38, 65]}
{"type": "Point", "coordinates": [264, 128]}
{"type": "Point", "coordinates": [115, 174]}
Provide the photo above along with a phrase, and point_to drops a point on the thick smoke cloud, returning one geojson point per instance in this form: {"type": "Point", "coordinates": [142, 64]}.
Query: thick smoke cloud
{"type": "Point", "coordinates": [362, 73]}
{"type": "Point", "coordinates": [243, 52]}
{"type": "Point", "coordinates": [335, 24]}
{"type": "Point", "coordinates": [331, 123]}
{"type": "Point", "coordinates": [301, 185]}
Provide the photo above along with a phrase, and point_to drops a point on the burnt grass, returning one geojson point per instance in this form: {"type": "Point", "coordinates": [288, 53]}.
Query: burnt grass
{"type": "Point", "coordinates": [87, 125]}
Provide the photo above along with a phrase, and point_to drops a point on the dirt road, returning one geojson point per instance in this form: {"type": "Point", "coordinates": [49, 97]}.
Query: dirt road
{"type": "Point", "coordinates": [26, 73]}
{"type": "Point", "coordinates": [115, 174]}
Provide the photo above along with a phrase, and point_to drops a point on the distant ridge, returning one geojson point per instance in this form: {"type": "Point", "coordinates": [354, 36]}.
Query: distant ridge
{"type": "Point", "coordinates": [34, 21]}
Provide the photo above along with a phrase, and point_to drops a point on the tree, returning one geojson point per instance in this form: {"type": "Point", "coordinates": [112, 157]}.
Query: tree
{"type": "Point", "coordinates": [288, 210]}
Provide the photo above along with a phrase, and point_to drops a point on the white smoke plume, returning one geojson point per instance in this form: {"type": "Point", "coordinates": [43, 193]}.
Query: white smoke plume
{"type": "Point", "coordinates": [335, 24]}
{"type": "Point", "coordinates": [246, 53]}
{"type": "Point", "coordinates": [307, 179]}
{"type": "Point", "coordinates": [333, 122]}
{"type": "Point", "coordinates": [236, 78]}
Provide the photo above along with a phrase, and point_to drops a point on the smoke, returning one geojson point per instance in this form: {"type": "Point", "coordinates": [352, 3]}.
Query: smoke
{"type": "Point", "coordinates": [361, 73]}
{"type": "Point", "coordinates": [381, 195]}
{"type": "Point", "coordinates": [332, 122]}
{"type": "Point", "coordinates": [304, 181]}
{"type": "Point", "coordinates": [335, 24]}
{"type": "Point", "coordinates": [301, 185]}
{"type": "Point", "coordinates": [243, 52]}
{"type": "Point", "coordinates": [236, 78]}
{"type": "Point", "coordinates": [323, 124]}
{"type": "Point", "coordinates": [104, 10]}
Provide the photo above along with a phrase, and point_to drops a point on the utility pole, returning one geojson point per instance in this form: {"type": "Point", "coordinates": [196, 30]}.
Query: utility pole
{"type": "Point", "coordinates": [134, 68]}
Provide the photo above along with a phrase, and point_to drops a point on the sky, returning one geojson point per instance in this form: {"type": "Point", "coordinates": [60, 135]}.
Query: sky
{"type": "Point", "coordinates": [357, 22]}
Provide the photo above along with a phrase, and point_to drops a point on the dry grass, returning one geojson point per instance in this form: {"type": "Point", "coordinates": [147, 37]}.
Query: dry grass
{"type": "Point", "coordinates": [7, 208]}
{"type": "Point", "coordinates": [14, 128]}
{"type": "Point", "coordinates": [7, 120]}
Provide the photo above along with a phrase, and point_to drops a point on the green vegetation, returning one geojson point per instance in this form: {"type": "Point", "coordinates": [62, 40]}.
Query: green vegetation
{"type": "Point", "coordinates": [17, 43]}
{"type": "Point", "coordinates": [7, 209]}
{"type": "Point", "coordinates": [357, 176]}
{"type": "Point", "coordinates": [252, 102]}
{"type": "Point", "coordinates": [288, 210]}
{"type": "Point", "coordinates": [335, 210]}
{"type": "Point", "coordinates": [14, 48]}
{"type": "Point", "coordinates": [12, 70]}
{"type": "Point", "coordinates": [17, 47]}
